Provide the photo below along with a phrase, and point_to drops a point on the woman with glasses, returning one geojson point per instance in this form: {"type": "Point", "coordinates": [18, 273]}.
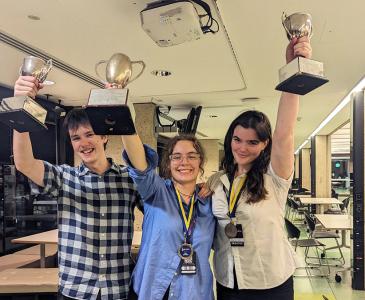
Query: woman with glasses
{"type": "Point", "coordinates": [178, 225]}
{"type": "Point", "coordinates": [253, 259]}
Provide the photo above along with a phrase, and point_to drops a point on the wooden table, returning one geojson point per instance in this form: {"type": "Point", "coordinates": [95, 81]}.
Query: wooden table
{"type": "Point", "coordinates": [43, 238]}
{"type": "Point", "coordinates": [336, 222]}
{"type": "Point", "coordinates": [319, 202]}
{"type": "Point", "coordinates": [51, 237]}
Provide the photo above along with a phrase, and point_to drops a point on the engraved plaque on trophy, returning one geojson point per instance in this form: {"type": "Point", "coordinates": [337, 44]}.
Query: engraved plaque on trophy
{"type": "Point", "coordinates": [301, 75]}
{"type": "Point", "coordinates": [106, 108]}
{"type": "Point", "coordinates": [22, 113]}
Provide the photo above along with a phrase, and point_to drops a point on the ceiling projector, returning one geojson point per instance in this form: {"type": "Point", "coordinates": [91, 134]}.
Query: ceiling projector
{"type": "Point", "coordinates": [172, 22]}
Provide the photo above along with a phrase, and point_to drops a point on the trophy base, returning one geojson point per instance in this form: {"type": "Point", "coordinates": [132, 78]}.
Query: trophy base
{"type": "Point", "coordinates": [113, 97]}
{"type": "Point", "coordinates": [301, 76]}
{"type": "Point", "coordinates": [301, 83]}
{"type": "Point", "coordinates": [22, 114]}
{"type": "Point", "coordinates": [110, 120]}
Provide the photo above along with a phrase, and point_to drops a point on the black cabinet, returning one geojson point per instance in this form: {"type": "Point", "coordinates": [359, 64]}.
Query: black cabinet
{"type": "Point", "coordinates": [21, 213]}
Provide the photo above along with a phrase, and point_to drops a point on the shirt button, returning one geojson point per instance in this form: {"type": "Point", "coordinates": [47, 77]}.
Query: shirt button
{"type": "Point", "coordinates": [171, 294]}
{"type": "Point", "coordinates": [103, 234]}
{"type": "Point", "coordinates": [176, 274]}
{"type": "Point", "coordinates": [102, 256]}
{"type": "Point", "coordinates": [102, 215]}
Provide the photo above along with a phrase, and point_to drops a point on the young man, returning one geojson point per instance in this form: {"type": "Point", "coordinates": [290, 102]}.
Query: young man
{"type": "Point", "coordinates": [95, 208]}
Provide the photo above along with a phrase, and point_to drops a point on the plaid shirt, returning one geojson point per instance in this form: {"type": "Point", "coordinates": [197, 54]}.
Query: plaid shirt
{"type": "Point", "coordinates": [95, 223]}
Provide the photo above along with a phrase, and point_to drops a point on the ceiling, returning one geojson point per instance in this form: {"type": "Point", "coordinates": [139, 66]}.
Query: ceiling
{"type": "Point", "coordinates": [221, 72]}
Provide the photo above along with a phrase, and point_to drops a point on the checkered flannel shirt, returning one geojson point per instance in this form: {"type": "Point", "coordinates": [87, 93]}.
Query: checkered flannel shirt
{"type": "Point", "coordinates": [95, 224]}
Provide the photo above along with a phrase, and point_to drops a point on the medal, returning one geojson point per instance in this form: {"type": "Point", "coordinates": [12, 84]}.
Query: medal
{"type": "Point", "coordinates": [230, 230]}
{"type": "Point", "coordinates": [185, 251]}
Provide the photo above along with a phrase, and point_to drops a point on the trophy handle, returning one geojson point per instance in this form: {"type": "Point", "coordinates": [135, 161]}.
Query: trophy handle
{"type": "Point", "coordinates": [283, 18]}
{"type": "Point", "coordinates": [96, 70]}
{"type": "Point", "coordinates": [45, 70]}
{"type": "Point", "coordinates": [140, 73]}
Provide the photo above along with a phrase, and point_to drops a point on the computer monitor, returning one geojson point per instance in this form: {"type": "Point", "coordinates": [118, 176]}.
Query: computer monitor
{"type": "Point", "coordinates": [190, 125]}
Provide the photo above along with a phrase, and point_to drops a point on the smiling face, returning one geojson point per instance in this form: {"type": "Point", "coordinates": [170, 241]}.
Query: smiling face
{"type": "Point", "coordinates": [184, 162]}
{"type": "Point", "coordinates": [87, 145]}
{"type": "Point", "coordinates": [246, 147]}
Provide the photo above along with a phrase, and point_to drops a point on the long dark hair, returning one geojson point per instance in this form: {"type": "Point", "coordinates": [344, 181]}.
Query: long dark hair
{"type": "Point", "coordinates": [255, 178]}
{"type": "Point", "coordinates": [165, 162]}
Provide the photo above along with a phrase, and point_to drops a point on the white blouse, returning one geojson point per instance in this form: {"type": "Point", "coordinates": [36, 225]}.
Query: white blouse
{"type": "Point", "coordinates": [267, 259]}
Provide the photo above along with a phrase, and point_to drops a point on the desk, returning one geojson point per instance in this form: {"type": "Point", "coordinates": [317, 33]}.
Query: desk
{"type": "Point", "coordinates": [319, 202]}
{"type": "Point", "coordinates": [336, 222]}
{"type": "Point", "coordinates": [301, 196]}
{"type": "Point", "coordinates": [51, 237]}
{"type": "Point", "coordinates": [43, 238]}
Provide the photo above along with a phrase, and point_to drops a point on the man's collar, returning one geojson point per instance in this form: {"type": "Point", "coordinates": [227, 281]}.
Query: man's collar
{"type": "Point", "coordinates": [83, 169]}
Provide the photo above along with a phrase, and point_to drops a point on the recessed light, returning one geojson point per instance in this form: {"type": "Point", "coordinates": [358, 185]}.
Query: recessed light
{"type": "Point", "coordinates": [34, 18]}
{"type": "Point", "coordinates": [161, 73]}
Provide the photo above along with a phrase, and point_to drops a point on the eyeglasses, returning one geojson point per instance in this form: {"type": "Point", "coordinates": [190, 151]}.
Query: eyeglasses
{"type": "Point", "coordinates": [178, 157]}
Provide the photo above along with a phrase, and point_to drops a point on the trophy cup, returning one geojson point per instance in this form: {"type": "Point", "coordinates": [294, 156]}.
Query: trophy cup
{"type": "Point", "coordinates": [301, 75]}
{"type": "Point", "coordinates": [107, 110]}
{"type": "Point", "coordinates": [22, 113]}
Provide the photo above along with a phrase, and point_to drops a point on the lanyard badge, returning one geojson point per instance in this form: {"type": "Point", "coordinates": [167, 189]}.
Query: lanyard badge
{"type": "Point", "coordinates": [232, 230]}
{"type": "Point", "coordinates": [186, 251]}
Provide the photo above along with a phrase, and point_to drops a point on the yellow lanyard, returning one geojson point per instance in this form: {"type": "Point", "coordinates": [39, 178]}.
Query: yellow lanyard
{"type": "Point", "coordinates": [234, 193]}
{"type": "Point", "coordinates": [186, 220]}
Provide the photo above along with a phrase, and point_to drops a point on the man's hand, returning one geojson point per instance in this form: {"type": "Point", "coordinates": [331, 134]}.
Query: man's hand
{"type": "Point", "coordinates": [27, 86]}
{"type": "Point", "coordinates": [298, 47]}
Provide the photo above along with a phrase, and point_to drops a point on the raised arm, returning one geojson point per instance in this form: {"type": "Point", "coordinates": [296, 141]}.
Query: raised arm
{"type": "Point", "coordinates": [282, 155]}
{"type": "Point", "coordinates": [22, 147]}
{"type": "Point", "coordinates": [134, 148]}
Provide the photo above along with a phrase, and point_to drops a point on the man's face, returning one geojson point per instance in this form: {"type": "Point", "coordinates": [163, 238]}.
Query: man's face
{"type": "Point", "coordinates": [87, 145]}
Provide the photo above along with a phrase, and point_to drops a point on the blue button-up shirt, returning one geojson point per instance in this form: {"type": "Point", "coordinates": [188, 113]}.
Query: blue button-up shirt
{"type": "Point", "coordinates": [158, 265]}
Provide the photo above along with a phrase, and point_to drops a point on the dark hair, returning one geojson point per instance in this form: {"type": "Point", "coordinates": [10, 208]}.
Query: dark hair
{"type": "Point", "coordinates": [255, 178]}
{"type": "Point", "coordinates": [75, 118]}
{"type": "Point", "coordinates": [165, 162]}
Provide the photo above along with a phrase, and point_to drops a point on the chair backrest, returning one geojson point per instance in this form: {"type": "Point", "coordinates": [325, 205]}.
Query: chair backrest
{"type": "Point", "coordinates": [345, 203]}
{"type": "Point", "coordinates": [294, 204]}
{"type": "Point", "coordinates": [292, 230]}
{"type": "Point", "coordinates": [310, 222]}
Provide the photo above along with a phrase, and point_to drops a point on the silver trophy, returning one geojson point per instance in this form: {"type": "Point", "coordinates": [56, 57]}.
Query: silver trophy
{"type": "Point", "coordinates": [301, 75]}
{"type": "Point", "coordinates": [106, 108]}
{"type": "Point", "coordinates": [118, 73]}
{"type": "Point", "coordinates": [22, 113]}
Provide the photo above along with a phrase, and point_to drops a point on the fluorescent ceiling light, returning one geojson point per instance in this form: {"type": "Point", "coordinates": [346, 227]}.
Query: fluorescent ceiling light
{"type": "Point", "coordinates": [357, 88]}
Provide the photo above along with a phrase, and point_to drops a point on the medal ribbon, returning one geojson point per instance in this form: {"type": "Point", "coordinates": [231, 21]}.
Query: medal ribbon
{"type": "Point", "coordinates": [233, 196]}
{"type": "Point", "coordinates": [187, 220]}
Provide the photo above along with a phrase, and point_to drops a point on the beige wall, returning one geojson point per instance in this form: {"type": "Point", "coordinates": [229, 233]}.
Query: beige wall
{"type": "Point", "coordinates": [211, 149]}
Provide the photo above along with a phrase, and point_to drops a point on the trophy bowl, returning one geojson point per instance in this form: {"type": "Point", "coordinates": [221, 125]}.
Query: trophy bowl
{"type": "Point", "coordinates": [297, 25]}
{"type": "Point", "coordinates": [36, 67]}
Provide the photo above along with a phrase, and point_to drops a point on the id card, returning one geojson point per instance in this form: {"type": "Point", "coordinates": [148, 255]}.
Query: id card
{"type": "Point", "coordinates": [237, 241]}
{"type": "Point", "coordinates": [188, 266]}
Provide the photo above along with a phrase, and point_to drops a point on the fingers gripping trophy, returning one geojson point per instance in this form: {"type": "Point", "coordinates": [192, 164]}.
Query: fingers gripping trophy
{"type": "Point", "coordinates": [301, 75]}
{"type": "Point", "coordinates": [22, 113]}
{"type": "Point", "coordinates": [107, 108]}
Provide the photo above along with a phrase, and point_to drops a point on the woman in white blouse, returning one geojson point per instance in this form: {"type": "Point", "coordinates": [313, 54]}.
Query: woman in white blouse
{"type": "Point", "coordinates": [253, 258]}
